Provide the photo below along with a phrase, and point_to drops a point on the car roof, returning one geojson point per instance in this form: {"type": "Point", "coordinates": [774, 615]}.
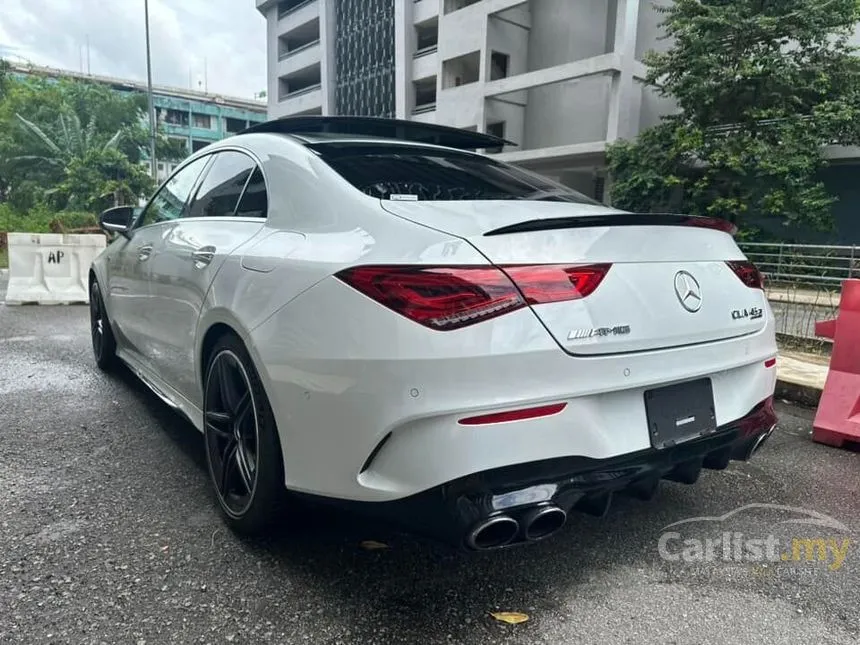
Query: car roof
{"type": "Point", "coordinates": [319, 129]}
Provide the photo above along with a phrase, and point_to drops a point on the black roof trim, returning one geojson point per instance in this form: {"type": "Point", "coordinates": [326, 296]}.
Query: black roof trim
{"type": "Point", "coordinates": [383, 128]}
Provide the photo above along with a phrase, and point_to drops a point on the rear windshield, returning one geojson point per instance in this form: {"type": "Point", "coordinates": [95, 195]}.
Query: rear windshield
{"type": "Point", "coordinates": [415, 173]}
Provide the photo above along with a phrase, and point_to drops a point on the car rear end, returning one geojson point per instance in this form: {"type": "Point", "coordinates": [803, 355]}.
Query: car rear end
{"type": "Point", "coordinates": [557, 354]}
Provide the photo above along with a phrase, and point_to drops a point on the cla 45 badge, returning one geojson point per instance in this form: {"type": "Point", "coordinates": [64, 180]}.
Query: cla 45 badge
{"type": "Point", "coordinates": [752, 313]}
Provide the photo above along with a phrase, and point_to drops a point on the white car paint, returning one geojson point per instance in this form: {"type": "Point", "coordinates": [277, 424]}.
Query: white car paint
{"type": "Point", "coordinates": [342, 372]}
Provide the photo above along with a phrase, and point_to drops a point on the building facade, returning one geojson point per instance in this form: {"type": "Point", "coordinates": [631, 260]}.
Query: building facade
{"type": "Point", "coordinates": [559, 78]}
{"type": "Point", "coordinates": [195, 118]}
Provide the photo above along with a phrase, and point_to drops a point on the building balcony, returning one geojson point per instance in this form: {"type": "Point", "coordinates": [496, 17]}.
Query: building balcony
{"type": "Point", "coordinates": [424, 10]}
{"type": "Point", "coordinates": [425, 63]}
{"type": "Point", "coordinates": [424, 113]}
{"type": "Point", "coordinates": [300, 59]}
{"type": "Point", "coordinates": [305, 100]}
{"type": "Point", "coordinates": [292, 15]}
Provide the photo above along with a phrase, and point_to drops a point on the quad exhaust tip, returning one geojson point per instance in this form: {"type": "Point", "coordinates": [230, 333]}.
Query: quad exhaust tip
{"type": "Point", "coordinates": [492, 533]}
{"type": "Point", "coordinates": [760, 442]}
{"type": "Point", "coordinates": [542, 522]}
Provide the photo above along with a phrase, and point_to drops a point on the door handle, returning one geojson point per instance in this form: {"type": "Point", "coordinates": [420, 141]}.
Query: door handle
{"type": "Point", "coordinates": [144, 253]}
{"type": "Point", "coordinates": [203, 256]}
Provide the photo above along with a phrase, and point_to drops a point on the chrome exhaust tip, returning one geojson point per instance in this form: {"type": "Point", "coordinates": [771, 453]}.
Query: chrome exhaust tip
{"type": "Point", "coordinates": [760, 442]}
{"type": "Point", "coordinates": [492, 533]}
{"type": "Point", "coordinates": [542, 521]}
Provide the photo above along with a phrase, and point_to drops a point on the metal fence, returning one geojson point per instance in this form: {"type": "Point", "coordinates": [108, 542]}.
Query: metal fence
{"type": "Point", "coordinates": [803, 281]}
{"type": "Point", "coordinates": [805, 264]}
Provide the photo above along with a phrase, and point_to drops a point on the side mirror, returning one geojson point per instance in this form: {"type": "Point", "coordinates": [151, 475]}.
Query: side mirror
{"type": "Point", "coordinates": [117, 220]}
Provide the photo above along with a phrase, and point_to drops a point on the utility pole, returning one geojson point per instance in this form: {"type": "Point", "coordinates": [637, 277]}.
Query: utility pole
{"type": "Point", "coordinates": [89, 73]}
{"type": "Point", "coordinates": [152, 124]}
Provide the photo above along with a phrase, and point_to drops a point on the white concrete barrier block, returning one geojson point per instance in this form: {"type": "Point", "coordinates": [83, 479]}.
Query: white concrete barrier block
{"type": "Point", "coordinates": [50, 268]}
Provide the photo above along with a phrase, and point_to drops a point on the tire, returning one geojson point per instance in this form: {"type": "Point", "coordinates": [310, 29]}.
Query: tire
{"type": "Point", "coordinates": [104, 343]}
{"type": "Point", "coordinates": [243, 452]}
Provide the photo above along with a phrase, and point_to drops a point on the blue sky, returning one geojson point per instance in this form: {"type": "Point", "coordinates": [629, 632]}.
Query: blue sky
{"type": "Point", "coordinates": [226, 39]}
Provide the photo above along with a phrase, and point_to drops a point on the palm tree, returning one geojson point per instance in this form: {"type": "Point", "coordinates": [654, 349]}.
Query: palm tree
{"type": "Point", "coordinates": [72, 145]}
{"type": "Point", "coordinates": [73, 141]}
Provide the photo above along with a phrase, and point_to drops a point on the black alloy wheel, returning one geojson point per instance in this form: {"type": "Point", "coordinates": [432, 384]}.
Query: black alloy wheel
{"type": "Point", "coordinates": [242, 448]}
{"type": "Point", "coordinates": [104, 343]}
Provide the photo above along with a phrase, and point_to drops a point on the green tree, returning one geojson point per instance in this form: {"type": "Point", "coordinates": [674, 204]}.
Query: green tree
{"type": "Point", "coordinates": [761, 86]}
{"type": "Point", "coordinates": [92, 173]}
{"type": "Point", "coordinates": [48, 129]}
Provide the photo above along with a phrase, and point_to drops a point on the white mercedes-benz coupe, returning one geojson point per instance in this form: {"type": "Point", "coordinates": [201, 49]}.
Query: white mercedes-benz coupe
{"type": "Point", "coordinates": [366, 311]}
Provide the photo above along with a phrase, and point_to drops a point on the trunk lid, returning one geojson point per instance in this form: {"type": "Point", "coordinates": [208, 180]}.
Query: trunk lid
{"type": "Point", "coordinates": [668, 285]}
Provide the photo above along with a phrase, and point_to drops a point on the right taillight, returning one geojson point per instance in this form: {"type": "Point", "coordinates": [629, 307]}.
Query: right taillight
{"type": "Point", "coordinates": [446, 298]}
{"type": "Point", "coordinates": [748, 274]}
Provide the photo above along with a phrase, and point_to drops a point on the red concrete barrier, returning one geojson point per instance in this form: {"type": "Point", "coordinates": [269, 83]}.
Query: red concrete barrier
{"type": "Point", "coordinates": [837, 420]}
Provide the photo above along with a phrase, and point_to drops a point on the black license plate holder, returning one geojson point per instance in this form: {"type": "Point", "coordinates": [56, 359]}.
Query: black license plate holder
{"type": "Point", "coordinates": [681, 412]}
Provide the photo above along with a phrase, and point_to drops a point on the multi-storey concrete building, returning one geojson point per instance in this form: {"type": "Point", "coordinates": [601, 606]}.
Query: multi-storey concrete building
{"type": "Point", "coordinates": [560, 78]}
{"type": "Point", "coordinates": [196, 118]}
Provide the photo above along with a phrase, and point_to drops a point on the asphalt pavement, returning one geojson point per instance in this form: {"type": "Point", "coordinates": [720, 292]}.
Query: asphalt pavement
{"type": "Point", "coordinates": [109, 534]}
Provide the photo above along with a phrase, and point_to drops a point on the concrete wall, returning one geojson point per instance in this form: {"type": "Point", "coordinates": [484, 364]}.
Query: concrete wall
{"type": "Point", "coordinates": [272, 87]}
{"type": "Point", "coordinates": [560, 35]}
{"type": "Point", "coordinates": [510, 39]}
{"type": "Point", "coordinates": [462, 32]}
{"type": "Point", "coordinates": [648, 31]}
{"type": "Point", "coordinates": [569, 112]}
{"type": "Point", "coordinates": [460, 107]}
{"type": "Point", "coordinates": [573, 111]}
{"type": "Point", "coordinates": [653, 107]}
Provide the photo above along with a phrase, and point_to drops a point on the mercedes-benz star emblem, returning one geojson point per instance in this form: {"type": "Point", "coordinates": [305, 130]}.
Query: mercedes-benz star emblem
{"type": "Point", "coordinates": [688, 291]}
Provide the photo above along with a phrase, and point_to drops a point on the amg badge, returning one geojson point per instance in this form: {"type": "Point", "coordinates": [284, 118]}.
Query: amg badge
{"type": "Point", "coordinates": [752, 313]}
{"type": "Point", "coordinates": [582, 334]}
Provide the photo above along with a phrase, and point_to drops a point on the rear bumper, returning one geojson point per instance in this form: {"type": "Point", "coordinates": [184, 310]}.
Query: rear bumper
{"type": "Point", "coordinates": [341, 388]}
{"type": "Point", "coordinates": [450, 511]}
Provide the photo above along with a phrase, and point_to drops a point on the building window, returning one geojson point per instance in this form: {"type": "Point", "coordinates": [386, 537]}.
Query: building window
{"type": "Point", "coordinates": [182, 140]}
{"type": "Point", "coordinates": [497, 130]}
{"type": "Point", "coordinates": [427, 36]}
{"type": "Point", "coordinates": [198, 145]}
{"type": "Point", "coordinates": [202, 121]}
{"type": "Point", "coordinates": [234, 125]}
{"type": "Point", "coordinates": [456, 5]}
{"type": "Point", "coordinates": [461, 70]}
{"type": "Point", "coordinates": [176, 117]}
{"type": "Point", "coordinates": [499, 65]}
{"type": "Point", "coordinates": [425, 95]}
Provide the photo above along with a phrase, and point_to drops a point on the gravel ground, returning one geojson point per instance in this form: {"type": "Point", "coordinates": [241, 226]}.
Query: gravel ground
{"type": "Point", "coordinates": [108, 534]}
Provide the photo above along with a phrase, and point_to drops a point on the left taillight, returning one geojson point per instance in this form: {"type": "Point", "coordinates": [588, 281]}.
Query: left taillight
{"type": "Point", "coordinates": [747, 273]}
{"type": "Point", "coordinates": [446, 298]}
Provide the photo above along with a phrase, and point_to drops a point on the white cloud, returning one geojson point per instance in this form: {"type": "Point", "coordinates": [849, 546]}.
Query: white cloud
{"type": "Point", "coordinates": [221, 42]}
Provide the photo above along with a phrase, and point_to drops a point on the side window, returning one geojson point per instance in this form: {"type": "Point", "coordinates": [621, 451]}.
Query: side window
{"type": "Point", "coordinates": [254, 202]}
{"type": "Point", "coordinates": [219, 191]}
{"type": "Point", "coordinates": [170, 200]}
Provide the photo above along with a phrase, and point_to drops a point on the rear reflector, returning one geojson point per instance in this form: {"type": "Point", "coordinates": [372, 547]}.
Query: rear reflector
{"type": "Point", "coordinates": [748, 274]}
{"type": "Point", "coordinates": [445, 298]}
{"type": "Point", "coordinates": [770, 362]}
{"type": "Point", "coordinates": [514, 415]}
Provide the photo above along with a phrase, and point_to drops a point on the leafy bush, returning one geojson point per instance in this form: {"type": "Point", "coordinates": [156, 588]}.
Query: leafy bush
{"type": "Point", "coordinates": [43, 220]}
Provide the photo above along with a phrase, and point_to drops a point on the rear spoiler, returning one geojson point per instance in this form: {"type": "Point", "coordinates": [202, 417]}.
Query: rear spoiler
{"type": "Point", "coordinates": [617, 219]}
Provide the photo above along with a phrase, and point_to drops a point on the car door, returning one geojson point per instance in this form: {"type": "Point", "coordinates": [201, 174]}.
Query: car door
{"type": "Point", "coordinates": [228, 208]}
{"type": "Point", "coordinates": [129, 274]}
